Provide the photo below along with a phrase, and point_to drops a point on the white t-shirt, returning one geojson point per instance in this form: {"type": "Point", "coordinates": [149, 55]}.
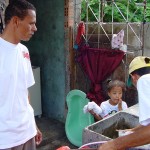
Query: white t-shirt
{"type": "Point", "coordinates": [143, 87]}
{"type": "Point", "coordinates": [17, 124]}
{"type": "Point", "coordinates": [108, 109]}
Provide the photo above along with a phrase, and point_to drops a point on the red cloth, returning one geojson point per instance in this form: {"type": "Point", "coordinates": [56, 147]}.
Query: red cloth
{"type": "Point", "coordinates": [80, 32]}
{"type": "Point", "coordinates": [98, 64]}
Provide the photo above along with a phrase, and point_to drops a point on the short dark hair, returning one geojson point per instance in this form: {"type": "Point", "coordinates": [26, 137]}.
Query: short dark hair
{"type": "Point", "coordinates": [17, 8]}
{"type": "Point", "coordinates": [142, 71]}
{"type": "Point", "coordinates": [115, 83]}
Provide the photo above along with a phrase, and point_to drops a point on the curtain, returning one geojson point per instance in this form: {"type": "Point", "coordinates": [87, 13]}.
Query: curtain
{"type": "Point", "coordinates": [98, 64]}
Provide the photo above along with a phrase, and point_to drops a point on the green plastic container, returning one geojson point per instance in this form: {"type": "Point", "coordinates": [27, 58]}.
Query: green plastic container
{"type": "Point", "coordinates": [76, 120]}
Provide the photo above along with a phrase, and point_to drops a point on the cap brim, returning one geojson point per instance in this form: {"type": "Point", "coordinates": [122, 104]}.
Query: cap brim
{"type": "Point", "coordinates": [129, 81]}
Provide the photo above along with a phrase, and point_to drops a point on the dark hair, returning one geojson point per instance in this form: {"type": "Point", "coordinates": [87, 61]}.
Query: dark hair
{"type": "Point", "coordinates": [17, 8]}
{"type": "Point", "coordinates": [115, 83]}
{"type": "Point", "coordinates": [142, 71]}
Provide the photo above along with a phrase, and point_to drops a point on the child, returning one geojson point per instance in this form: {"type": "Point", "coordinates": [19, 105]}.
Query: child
{"type": "Point", "coordinates": [114, 104]}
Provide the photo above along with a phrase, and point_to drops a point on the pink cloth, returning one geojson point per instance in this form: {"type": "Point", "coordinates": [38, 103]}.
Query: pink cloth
{"type": "Point", "coordinates": [63, 148]}
{"type": "Point", "coordinates": [117, 39]}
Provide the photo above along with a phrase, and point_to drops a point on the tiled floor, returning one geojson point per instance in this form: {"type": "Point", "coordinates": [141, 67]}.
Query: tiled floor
{"type": "Point", "coordinates": [53, 134]}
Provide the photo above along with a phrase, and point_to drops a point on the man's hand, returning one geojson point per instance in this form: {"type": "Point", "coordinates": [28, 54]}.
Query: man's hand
{"type": "Point", "coordinates": [107, 146]}
{"type": "Point", "coordinates": [38, 137]}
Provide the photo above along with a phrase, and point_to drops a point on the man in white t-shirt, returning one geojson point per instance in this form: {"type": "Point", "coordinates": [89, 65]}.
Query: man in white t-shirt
{"type": "Point", "coordinates": [139, 76]}
{"type": "Point", "coordinates": [18, 130]}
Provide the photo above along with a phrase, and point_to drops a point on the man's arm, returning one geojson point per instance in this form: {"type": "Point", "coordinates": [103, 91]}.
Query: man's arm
{"type": "Point", "coordinates": [28, 96]}
{"type": "Point", "coordinates": [38, 137]}
{"type": "Point", "coordinates": [141, 136]}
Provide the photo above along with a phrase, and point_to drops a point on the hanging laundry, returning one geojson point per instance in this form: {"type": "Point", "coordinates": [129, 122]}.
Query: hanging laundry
{"type": "Point", "coordinates": [80, 34]}
{"type": "Point", "coordinates": [117, 40]}
{"type": "Point", "coordinates": [123, 48]}
{"type": "Point", "coordinates": [93, 61]}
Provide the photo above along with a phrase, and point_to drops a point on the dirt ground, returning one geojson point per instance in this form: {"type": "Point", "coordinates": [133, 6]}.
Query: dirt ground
{"type": "Point", "coordinates": [54, 135]}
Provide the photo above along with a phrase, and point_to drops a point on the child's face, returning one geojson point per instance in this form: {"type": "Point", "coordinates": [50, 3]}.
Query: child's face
{"type": "Point", "coordinates": [115, 95]}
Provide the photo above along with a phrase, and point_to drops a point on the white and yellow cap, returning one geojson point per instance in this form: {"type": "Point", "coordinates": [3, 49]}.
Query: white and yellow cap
{"type": "Point", "coordinates": [137, 63]}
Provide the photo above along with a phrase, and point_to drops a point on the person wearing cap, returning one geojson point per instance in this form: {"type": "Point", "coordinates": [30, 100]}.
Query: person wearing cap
{"type": "Point", "coordinates": [139, 76]}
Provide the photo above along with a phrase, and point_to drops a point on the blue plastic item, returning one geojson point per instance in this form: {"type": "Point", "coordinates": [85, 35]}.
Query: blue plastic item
{"type": "Point", "coordinates": [76, 120]}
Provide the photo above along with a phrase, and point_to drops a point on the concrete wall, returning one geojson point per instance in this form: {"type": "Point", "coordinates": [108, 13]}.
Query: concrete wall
{"type": "Point", "coordinates": [47, 51]}
{"type": "Point", "coordinates": [147, 39]}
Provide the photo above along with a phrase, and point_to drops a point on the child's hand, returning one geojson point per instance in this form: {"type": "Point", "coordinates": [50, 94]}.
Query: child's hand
{"type": "Point", "coordinates": [92, 112]}
{"type": "Point", "coordinates": [96, 116]}
{"type": "Point", "coordinates": [120, 104]}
